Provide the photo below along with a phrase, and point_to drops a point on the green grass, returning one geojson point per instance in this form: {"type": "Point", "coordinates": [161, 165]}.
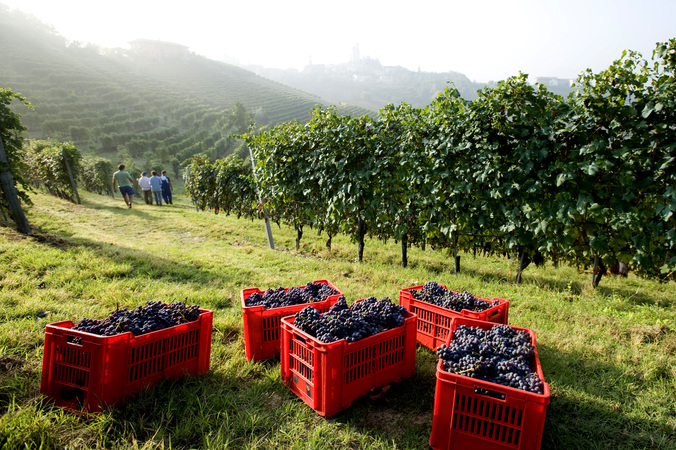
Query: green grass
{"type": "Point", "coordinates": [609, 354]}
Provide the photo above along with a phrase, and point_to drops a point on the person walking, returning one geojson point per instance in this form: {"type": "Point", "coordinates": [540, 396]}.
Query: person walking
{"type": "Point", "coordinates": [126, 184]}
{"type": "Point", "coordinates": [144, 184]}
{"type": "Point", "coordinates": [166, 188]}
{"type": "Point", "coordinates": [156, 187]}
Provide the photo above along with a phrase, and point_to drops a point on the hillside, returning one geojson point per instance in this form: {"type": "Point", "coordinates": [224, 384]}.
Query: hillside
{"type": "Point", "coordinates": [174, 105]}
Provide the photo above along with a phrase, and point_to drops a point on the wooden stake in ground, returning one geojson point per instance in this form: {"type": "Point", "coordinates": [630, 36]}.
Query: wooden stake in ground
{"type": "Point", "coordinates": [10, 193]}
{"type": "Point", "coordinates": [266, 217]}
{"type": "Point", "coordinates": [72, 181]}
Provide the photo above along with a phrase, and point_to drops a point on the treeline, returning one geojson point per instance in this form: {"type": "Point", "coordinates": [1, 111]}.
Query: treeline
{"type": "Point", "coordinates": [588, 179]}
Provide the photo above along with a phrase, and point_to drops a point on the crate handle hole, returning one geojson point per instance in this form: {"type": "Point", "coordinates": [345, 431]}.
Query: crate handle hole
{"type": "Point", "coordinates": [72, 394]}
{"type": "Point", "coordinates": [74, 340]}
{"type": "Point", "coordinates": [489, 393]}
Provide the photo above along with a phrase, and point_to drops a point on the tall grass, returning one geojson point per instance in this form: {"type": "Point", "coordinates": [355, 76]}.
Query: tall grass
{"type": "Point", "coordinates": [609, 354]}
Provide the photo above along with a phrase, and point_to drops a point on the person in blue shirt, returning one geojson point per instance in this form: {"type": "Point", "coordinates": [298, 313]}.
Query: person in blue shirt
{"type": "Point", "coordinates": [156, 187]}
{"type": "Point", "coordinates": [166, 188]}
{"type": "Point", "coordinates": [144, 184]}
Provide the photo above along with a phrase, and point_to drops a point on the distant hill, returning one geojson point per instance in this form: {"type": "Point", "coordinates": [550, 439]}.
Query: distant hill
{"type": "Point", "coordinates": [367, 83]}
{"type": "Point", "coordinates": [155, 97]}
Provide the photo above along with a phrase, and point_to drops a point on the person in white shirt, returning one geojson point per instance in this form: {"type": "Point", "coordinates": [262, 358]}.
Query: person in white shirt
{"type": "Point", "coordinates": [144, 182]}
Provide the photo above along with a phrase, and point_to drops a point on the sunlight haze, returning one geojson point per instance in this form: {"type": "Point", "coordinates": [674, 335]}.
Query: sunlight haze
{"type": "Point", "coordinates": [485, 40]}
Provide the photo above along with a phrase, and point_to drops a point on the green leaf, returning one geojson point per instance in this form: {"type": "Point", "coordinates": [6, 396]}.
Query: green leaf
{"type": "Point", "coordinates": [563, 177]}
{"type": "Point", "coordinates": [649, 108]}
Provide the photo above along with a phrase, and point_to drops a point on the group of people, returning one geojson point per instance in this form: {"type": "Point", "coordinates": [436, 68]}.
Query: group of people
{"type": "Point", "coordinates": [158, 186]}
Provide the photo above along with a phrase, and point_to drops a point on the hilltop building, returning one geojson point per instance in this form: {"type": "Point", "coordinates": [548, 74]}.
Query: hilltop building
{"type": "Point", "coordinates": [553, 82]}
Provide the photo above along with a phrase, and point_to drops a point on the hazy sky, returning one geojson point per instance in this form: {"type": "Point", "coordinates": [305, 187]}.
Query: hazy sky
{"type": "Point", "coordinates": [484, 39]}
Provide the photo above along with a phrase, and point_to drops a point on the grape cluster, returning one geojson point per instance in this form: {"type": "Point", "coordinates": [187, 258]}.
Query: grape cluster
{"type": "Point", "coordinates": [152, 316]}
{"type": "Point", "coordinates": [352, 323]}
{"type": "Point", "coordinates": [276, 298]}
{"type": "Point", "coordinates": [431, 292]}
{"type": "Point", "coordinates": [499, 355]}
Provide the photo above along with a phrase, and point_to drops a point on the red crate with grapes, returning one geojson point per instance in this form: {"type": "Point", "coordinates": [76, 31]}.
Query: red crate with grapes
{"type": "Point", "coordinates": [503, 404]}
{"type": "Point", "coordinates": [434, 321]}
{"type": "Point", "coordinates": [329, 376]}
{"type": "Point", "coordinates": [87, 372]}
{"type": "Point", "coordinates": [262, 324]}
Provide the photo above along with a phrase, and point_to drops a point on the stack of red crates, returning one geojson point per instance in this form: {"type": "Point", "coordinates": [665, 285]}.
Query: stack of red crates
{"type": "Point", "coordinates": [262, 326]}
{"type": "Point", "coordinates": [330, 376]}
{"type": "Point", "coordinates": [477, 414]}
{"type": "Point", "coordinates": [434, 322]}
{"type": "Point", "coordinates": [87, 372]}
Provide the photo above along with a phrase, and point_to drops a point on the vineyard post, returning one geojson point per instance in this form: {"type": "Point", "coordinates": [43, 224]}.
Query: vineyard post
{"type": "Point", "coordinates": [110, 190]}
{"type": "Point", "coordinates": [266, 218]}
{"type": "Point", "coordinates": [194, 203]}
{"type": "Point", "coordinates": [10, 193]}
{"type": "Point", "coordinates": [70, 177]}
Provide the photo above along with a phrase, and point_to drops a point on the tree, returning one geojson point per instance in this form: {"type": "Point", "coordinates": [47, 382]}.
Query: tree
{"type": "Point", "coordinates": [11, 144]}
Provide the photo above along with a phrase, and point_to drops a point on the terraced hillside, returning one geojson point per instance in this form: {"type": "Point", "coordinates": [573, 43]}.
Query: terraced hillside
{"type": "Point", "coordinates": [106, 101]}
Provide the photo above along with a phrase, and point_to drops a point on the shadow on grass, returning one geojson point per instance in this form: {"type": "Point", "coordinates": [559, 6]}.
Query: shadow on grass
{"type": "Point", "coordinates": [575, 288]}
{"type": "Point", "coordinates": [250, 405]}
{"type": "Point", "coordinates": [593, 405]}
{"type": "Point", "coordinates": [144, 265]}
{"type": "Point", "coordinates": [404, 414]}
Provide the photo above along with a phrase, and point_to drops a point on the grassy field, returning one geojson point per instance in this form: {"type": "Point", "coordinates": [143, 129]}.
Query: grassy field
{"type": "Point", "coordinates": [609, 355]}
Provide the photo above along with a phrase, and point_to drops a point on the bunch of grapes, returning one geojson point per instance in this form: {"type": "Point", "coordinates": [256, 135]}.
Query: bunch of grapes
{"type": "Point", "coordinates": [431, 292]}
{"type": "Point", "coordinates": [276, 298]}
{"type": "Point", "coordinates": [352, 323]}
{"type": "Point", "coordinates": [499, 355]}
{"type": "Point", "coordinates": [146, 318]}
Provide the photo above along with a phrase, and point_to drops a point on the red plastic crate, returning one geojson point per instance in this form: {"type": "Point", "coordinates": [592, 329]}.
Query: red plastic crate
{"type": "Point", "coordinates": [477, 414]}
{"type": "Point", "coordinates": [329, 377]}
{"type": "Point", "coordinates": [261, 325]}
{"type": "Point", "coordinates": [87, 372]}
{"type": "Point", "coordinates": [434, 322]}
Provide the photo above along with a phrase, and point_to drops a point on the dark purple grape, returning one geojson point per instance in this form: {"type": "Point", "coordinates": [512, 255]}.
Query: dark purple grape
{"type": "Point", "coordinates": [431, 292]}
{"type": "Point", "coordinates": [279, 297]}
{"type": "Point", "coordinates": [500, 355]}
{"type": "Point", "coordinates": [352, 323]}
{"type": "Point", "coordinates": [146, 318]}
